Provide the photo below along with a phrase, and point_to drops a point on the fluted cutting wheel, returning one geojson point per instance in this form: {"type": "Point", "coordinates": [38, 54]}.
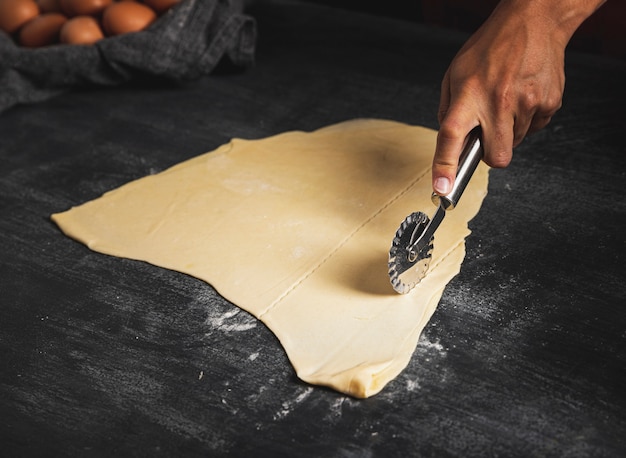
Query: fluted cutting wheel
{"type": "Point", "coordinates": [403, 273]}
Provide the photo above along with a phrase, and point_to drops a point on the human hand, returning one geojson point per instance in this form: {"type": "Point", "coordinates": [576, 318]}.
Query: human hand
{"type": "Point", "coordinates": [508, 79]}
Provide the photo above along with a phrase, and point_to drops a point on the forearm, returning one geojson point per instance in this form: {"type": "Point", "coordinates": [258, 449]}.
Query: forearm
{"type": "Point", "coordinates": [560, 17]}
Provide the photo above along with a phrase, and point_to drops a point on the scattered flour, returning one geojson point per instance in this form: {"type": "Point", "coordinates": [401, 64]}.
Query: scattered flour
{"type": "Point", "coordinates": [224, 321]}
{"type": "Point", "coordinates": [426, 345]}
{"type": "Point", "coordinates": [253, 356]}
{"type": "Point", "coordinates": [412, 385]}
{"type": "Point", "coordinates": [288, 406]}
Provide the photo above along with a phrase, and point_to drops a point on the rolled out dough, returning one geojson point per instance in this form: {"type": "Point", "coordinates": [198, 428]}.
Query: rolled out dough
{"type": "Point", "coordinates": [296, 229]}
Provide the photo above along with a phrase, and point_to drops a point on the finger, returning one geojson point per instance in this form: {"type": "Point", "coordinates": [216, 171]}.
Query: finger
{"type": "Point", "coordinates": [522, 130]}
{"type": "Point", "coordinates": [450, 139]}
{"type": "Point", "coordinates": [521, 127]}
{"type": "Point", "coordinates": [542, 114]}
{"type": "Point", "coordinates": [498, 142]}
{"type": "Point", "coordinates": [538, 123]}
{"type": "Point", "coordinates": [532, 117]}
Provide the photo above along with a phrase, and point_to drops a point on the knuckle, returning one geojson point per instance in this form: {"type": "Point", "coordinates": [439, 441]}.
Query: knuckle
{"type": "Point", "coordinates": [529, 100]}
{"type": "Point", "coordinates": [444, 166]}
{"type": "Point", "coordinates": [450, 130]}
{"type": "Point", "coordinates": [498, 158]}
{"type": "Point", "coordinates": [552, 104]}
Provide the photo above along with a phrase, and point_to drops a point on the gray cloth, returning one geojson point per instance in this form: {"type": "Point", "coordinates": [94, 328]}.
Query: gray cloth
{"type": "Point", "coordinates": [183, 44]}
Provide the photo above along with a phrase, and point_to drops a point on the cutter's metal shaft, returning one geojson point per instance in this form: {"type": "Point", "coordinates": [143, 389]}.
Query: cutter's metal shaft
{"type": "Point", "coordinates": [468, 161]}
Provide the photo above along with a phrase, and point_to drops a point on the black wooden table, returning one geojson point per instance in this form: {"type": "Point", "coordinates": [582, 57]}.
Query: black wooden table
{"type": "Point", "coordinates": [101, 356]}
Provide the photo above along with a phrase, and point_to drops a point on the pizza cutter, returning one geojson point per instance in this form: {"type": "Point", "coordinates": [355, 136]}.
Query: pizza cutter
{"type": "Point", "coordinates": [412, 247]}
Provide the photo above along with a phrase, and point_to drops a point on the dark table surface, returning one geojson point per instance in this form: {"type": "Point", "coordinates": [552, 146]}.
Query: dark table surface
{"type": "Point", "coordinates": [101, 356]}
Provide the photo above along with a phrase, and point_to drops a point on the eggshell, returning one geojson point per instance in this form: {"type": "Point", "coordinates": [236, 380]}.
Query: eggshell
{"type": "Point", "coordinates": [42, 30]}
{"type": "Point", "coordinates": [49, 6]}
{"type": "Point", "coordinates": [84, 7]}
{"type": "Point", "coordinates": [15, 13]}
{"type": "Point", "coordinates": [161, 6]}
{"type": "Point", "coordinates": [126, 17]}
{"type": "Point", "coordinates": [81, 30]}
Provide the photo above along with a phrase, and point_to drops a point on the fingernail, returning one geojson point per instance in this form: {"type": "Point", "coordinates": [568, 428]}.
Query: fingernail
{"type": "Point", "coordinates": [442, 186]}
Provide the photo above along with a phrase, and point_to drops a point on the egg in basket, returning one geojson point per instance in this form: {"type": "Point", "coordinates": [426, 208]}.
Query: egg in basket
{"type": "Point", "coordinates": [36, 23]}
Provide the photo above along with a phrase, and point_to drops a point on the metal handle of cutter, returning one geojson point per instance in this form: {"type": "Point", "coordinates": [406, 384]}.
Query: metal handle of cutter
{"type": "Point", "coordinates": [468, 161]}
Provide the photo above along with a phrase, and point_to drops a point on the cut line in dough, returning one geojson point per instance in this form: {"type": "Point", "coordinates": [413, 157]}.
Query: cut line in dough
{"type": "Point", "coordinates": [296, 229]}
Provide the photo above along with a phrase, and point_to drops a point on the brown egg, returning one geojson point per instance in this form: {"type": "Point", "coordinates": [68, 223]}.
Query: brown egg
{"type": "Point", "coordinates": [126, 17]}
{"type": "Point", "coordinates": [84, 7]}
{"type": "Point", "coordinates": [81, 30]}
{"type": "Point", "coordinates": [15, 13]}
{"type": "Point", "coordinates": [49, 6]}
{"type": "Point", "coordinates": [161, 6]}
{"type": "Point", "coordinates": [42, 31]}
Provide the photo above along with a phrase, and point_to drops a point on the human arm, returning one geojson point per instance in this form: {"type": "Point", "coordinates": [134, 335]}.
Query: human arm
{"type": "Point", "coordinates": [508, 79]}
